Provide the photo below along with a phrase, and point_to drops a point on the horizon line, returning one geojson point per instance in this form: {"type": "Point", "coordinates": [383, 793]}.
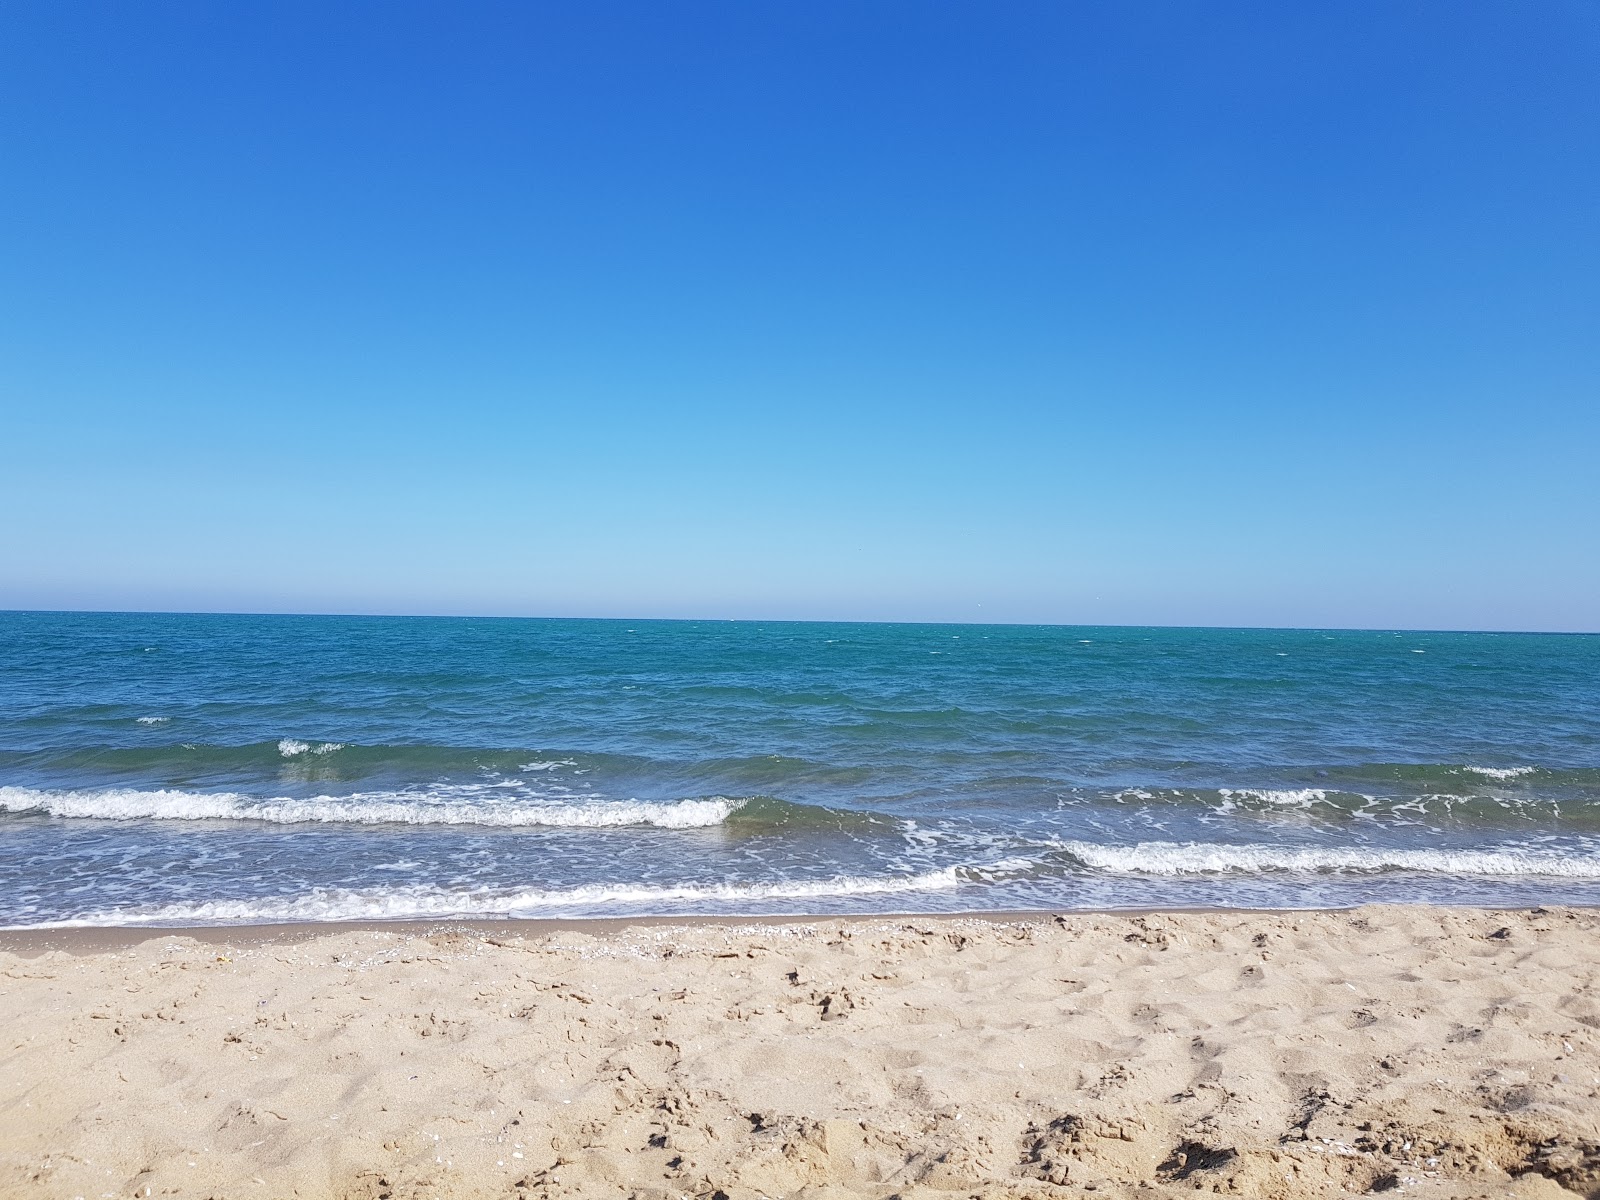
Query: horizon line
{"type": "Point", "coordinates": [434, 616]}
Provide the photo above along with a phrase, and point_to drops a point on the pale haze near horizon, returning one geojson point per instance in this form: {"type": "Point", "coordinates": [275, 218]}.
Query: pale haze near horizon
{"type": "Point", "coordinates": [883, 312]}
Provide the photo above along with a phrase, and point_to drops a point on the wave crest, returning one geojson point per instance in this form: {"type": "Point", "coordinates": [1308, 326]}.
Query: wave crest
{"type": "Point", "coordinates": [365, 808]}
{"type": "Point", "coordinates": [1285, 797]}
{"type": "Point", "coordinates": [1201, 858]}
{"type": "Point", "coordinates": [1501, 773]}
{"type": "Point", "coordinates": [292, 747]}
{"type": "Point", "coordinates": [379, 904]}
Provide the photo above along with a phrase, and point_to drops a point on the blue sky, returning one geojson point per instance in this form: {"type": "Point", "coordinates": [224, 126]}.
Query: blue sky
{"type": "Point", "coordinates": [1171, 313]}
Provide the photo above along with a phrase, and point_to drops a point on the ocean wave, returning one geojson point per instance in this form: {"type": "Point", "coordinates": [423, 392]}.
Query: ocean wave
{"type": "Point", "coordinates": [1452, 795]}
{"type": "Point", "coordinates": [1203, 858]}
{"type": "Point", "coordinates": [377, 904]}
{"type": "Point", "coordinates": [1235, 799]}
{"type": "Point", "coordinates": [1284, 797]}
{"type": "Point", "coordinates": [151, 720]}
{"type": "Point", "coordinates": [1230, 798]}
{"type": "Point", "coordinates": [1385, 778]}
{"type": "Point", "coordinates": [292, 747]}
{"type": "Point", "coordinates": [460, 807]}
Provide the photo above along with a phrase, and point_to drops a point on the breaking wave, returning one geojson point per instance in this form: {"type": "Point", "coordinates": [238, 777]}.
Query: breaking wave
{"type": "Point", "coordinates": [1289, 797]}
{"type": "Point", "coordinates": [461, 806]}
{"type": "Point", "coordinates": [378, 904]}
{"type": "Point", "coordinates": [291, 747]}
{"type": "Point", "coordinates": [1501, 772]}
{"type": "Point", "coordinates": [1200, 858]}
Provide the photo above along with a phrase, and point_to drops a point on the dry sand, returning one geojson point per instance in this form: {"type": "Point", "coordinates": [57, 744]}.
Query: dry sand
{"type": "Point", "coordinates": [1414, 1051]}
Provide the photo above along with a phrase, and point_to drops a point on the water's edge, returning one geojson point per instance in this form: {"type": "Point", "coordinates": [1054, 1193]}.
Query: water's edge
{"type": "Point", "coordinates": [33, 941]}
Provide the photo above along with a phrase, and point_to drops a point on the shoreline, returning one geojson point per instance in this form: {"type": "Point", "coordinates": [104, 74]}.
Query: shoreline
{"type": "Point", "coordinates": [94, 939]}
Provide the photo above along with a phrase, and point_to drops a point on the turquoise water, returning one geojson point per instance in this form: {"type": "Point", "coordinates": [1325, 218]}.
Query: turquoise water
{"type": "Point", "coordinates": [184, 769]}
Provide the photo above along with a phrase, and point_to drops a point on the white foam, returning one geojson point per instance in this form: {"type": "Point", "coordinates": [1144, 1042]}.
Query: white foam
{"type": "Point", "coordinates": [1004, 867]}
{"type": "Point", "coordinates": [1501, 772]}
{"type": "Point", "coordinates": [1134, 793]}
{"type": "Point", "coordinates": [290, 747]}
{"type": "Point", "coordinates": [1292, 797]}
{"type": "Point", "coordinates": [151, 720]}
{"type": "Point", "coordinates": [328, 904]}
{"type": "Point", "coordinates": [1202, 858]}
{"type": "Point", "coordinates": [460, 806]}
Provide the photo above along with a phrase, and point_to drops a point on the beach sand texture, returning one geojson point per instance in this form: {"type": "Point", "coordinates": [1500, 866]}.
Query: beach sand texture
{"type": "Point", "coordinates": [1416, 1051]}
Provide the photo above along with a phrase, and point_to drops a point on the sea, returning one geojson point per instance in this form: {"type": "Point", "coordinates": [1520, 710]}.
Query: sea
{"type": "Point", "coordinates": [177, 770]}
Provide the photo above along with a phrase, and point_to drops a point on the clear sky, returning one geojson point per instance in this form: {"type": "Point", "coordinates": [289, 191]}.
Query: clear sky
{"type": "Point", "coordinates": [1180, 313]}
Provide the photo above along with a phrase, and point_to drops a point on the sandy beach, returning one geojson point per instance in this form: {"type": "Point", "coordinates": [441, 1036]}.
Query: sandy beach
{"type": "Point", "coordinates": [1416, 1051]}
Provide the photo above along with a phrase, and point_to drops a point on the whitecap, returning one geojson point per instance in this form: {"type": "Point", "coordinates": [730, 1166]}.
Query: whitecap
{"type": "Point", "coordinates": [460, 806]}
{"type": "Point", "coordinates": [1127, 794]}
{"type": "Point", "coordinates": [1501, 772]}
{"type": "Point", "coordinates": [1290, 797]}
{"type": "Point", "coordinates": [292, 747]}
{"type": "Point", "coordinates": [1204, 858]}
{"type": "Point", "coordinates": [427, 901]}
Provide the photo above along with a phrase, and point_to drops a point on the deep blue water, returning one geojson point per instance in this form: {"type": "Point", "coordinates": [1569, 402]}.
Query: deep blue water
{"type": "Point", "coordinates": [162, 768]}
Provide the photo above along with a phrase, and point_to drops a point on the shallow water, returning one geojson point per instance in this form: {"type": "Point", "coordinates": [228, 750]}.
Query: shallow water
{"type": "Point", "coordinates": [184, 769]}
